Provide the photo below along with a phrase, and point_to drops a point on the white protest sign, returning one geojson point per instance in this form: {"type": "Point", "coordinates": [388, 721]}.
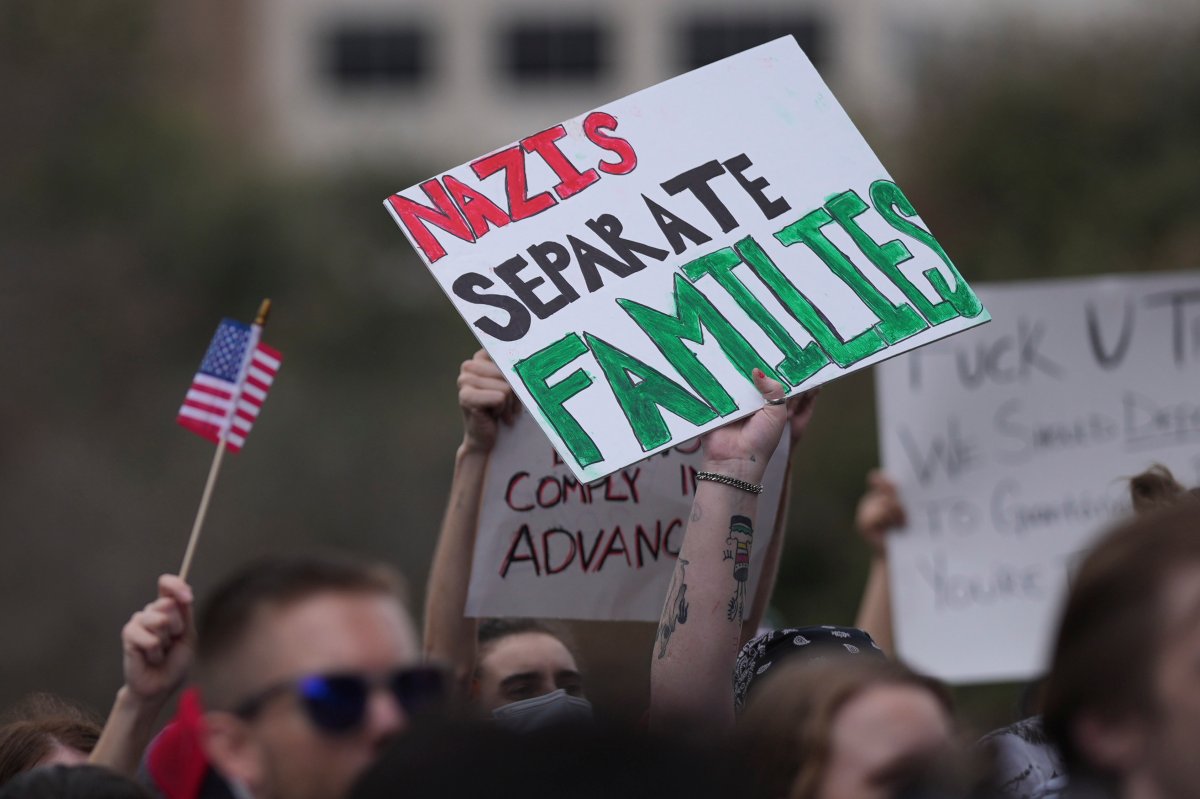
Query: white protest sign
{"type": "Point", "coordinates": [551, 547]}
{"type": "Point", "coordinates": [1012, 446]}
{"type": "Point", "coordinates": [629, 268]}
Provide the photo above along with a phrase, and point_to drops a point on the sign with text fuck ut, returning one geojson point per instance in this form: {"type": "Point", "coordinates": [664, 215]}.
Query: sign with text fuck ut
{"type": "Point", "coordinates": [1012, 447]}
{"type": "Point", "coordinates": [629, 268]}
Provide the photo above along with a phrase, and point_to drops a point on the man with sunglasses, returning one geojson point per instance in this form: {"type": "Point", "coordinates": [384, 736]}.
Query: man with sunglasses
{"type": "Point", "coordinates": [306, 667]}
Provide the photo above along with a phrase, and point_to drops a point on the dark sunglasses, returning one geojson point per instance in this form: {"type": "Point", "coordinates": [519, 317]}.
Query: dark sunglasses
{"type": "Point", "coordinates": [337, 703]}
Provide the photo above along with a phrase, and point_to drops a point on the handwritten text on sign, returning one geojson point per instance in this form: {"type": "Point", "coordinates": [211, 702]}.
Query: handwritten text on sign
{"type": "Point", "coordinates": [551, 547]}
{"type": "Point", "coordinates": [630, 268]}
{"type": "Point", "coordinates": [1012, 445]}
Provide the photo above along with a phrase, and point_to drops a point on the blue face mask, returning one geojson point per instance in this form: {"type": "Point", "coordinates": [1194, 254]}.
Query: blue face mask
{"type": "Point", "coordinates": [548, 710]}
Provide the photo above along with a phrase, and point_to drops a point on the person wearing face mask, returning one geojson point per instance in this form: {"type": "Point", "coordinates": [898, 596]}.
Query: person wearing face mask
{"type": "Point", "coordinates": [521, 672]}
{"type": "Point", "coordinates": [527, 676]}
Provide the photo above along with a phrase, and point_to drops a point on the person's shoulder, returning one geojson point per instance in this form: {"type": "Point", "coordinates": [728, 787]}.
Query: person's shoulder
{"type": "Point", "coordinates": [1027, 731]}
{"type": "Point", "coordinates": [1026, 765]}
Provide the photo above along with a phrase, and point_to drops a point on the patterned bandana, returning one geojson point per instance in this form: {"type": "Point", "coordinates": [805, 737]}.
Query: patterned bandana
{"type": "Point", "coordinates": [796, 645]}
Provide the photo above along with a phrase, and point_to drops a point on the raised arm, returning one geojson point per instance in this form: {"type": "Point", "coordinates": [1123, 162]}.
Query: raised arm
{"type": "Point", "coordinates": [485, 399]}
{"type": "Point", "coordinates": [879, 511]}
{"type": "Point", "coordinates": [691, 668]}
{"type": "Point", "coordinates": [158, 646]}
{"type": "Point", "coordinates": [800, 411]}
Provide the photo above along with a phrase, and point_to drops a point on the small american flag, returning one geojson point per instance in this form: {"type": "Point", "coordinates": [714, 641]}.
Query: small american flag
{"type": "Point", "coordinates": [228, 391]}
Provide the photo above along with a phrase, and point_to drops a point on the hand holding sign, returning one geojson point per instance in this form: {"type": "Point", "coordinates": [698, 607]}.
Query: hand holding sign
{"type": "Point", "coordinates": [486, 400]}
{"type": "Point", "coordinates": [742, 449]}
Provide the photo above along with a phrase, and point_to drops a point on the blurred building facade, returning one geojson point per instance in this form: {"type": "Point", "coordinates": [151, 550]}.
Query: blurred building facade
{"type": "Point", "coordinates": [334, 83]}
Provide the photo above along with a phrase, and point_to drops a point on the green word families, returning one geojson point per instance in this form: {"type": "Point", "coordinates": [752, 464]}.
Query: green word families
{"type": "Point", "coordinates": [693, 392]}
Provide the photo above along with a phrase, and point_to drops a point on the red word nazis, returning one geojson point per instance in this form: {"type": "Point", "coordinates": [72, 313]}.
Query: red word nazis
{"type": "Point", "coordinates": [469, 214]}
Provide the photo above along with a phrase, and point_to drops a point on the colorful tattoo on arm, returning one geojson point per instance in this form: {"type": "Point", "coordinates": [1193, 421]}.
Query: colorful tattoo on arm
{"type": "Point", "coordinates": [738, 542]}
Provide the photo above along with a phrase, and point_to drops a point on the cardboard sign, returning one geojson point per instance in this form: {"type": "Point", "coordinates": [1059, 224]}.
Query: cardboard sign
{"type": "Point", "coordinates": [1012, 446]}
{"type": "Point", "coordinates": [552, 547]}
{"type": "Point", "coordinates": [629, 268]}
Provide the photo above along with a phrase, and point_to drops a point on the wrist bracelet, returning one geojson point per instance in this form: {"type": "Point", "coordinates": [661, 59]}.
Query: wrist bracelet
{"type": "Point", "coordinates": [753, 488]}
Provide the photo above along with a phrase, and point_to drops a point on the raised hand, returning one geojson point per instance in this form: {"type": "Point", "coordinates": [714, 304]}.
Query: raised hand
{"type": "Point", "coordinates": [879, 511]}
{"type": "Point", "coordinates": [158, 643]}
{"type": "Point", "coordinates": [742, 449]}
{"type": "Point", "coordinates": [486, 399]}
{"type": "Point", "coordinates": [158, 646]}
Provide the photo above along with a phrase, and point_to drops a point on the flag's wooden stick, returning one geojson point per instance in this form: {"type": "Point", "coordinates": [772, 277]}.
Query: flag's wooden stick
{"type": "Point", "coordinates": [263, 311]}
{"type": "Point", "coordinates": [200, 514]}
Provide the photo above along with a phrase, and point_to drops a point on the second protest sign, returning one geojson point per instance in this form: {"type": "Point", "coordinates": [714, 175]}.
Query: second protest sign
{"type": "Point", "coordinates": [1013, 447]}
{"type": "Point", "coordinates": [549, 546]}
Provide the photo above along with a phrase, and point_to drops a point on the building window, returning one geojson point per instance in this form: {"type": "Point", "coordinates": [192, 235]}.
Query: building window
{"type": "Point", "coordinates": [556, 51]}
{"type": "Point", "coordinates": [712, 38]}
{"type": "Point", "coordinates": [388, 56]}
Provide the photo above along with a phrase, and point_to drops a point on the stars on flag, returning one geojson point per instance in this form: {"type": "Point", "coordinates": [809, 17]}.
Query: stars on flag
{"type": "Point", "coordinates": [231, 385]}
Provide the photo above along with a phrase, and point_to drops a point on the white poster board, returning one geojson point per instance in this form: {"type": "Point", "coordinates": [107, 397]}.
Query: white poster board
{"type": "Point", "coordinates": [1012, 446]}
{"type": "Point", "coordinates": [629, 268]}
{"type": "Point", "coordinates": [551, 547]}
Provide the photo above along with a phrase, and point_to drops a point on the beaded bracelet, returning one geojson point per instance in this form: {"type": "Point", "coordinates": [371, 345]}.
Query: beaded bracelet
{"type": "Point", "coordinates": [753, 488]}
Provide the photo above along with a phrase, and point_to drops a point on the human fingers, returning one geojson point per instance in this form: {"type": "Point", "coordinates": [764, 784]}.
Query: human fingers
{"type": "Point", "coordinates": [882, 512]}
{"type": "Point", "coordinates": [896, 515]}
{"type": "Point", "coordinates": [482, 372]}
{"type": "Point", "coordinates": [511, 408]}
{"type": "Point", "coordinates": [768, 388]}
{"type": "Point", "coordinates": [162, 623]}
{"type": "Point", "coordinates": [479, 381]}
{"type": "Point", "coordinates": [141, 642]}
{"type": "Point", "coordinates": [180, 593]}
{"type": "Point", "coordinates": [877, 479]}
{"type": "Point", "coordinates": [486, 368]}
{"type": "Point", "coordinates": [473, 369]}
{"type": "Point", "coordinates": [173, 613]}
{"type": "Point", "coordinates": [173, 586]}
{"type": "Point", "coordinates": [760, 433]}
{"type": "Point", "coordinates": [803, 403]}
{"type": "Point", "coordinates": [800, 413]}
{"type": "Point", "coordinates": [481, 399]}
{"type": "Point", "coordinates": [474, 372]}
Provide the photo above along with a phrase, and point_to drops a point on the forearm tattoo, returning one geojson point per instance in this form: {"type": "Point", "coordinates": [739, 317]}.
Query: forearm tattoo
{"type": "Point", "coordinates": [737, 543]}
{"type": "Point", "coordinates": [675, 609]}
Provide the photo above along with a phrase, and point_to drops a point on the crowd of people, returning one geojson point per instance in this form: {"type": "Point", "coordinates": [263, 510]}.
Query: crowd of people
{"type": "Point", "coordinates": [306, 677]}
